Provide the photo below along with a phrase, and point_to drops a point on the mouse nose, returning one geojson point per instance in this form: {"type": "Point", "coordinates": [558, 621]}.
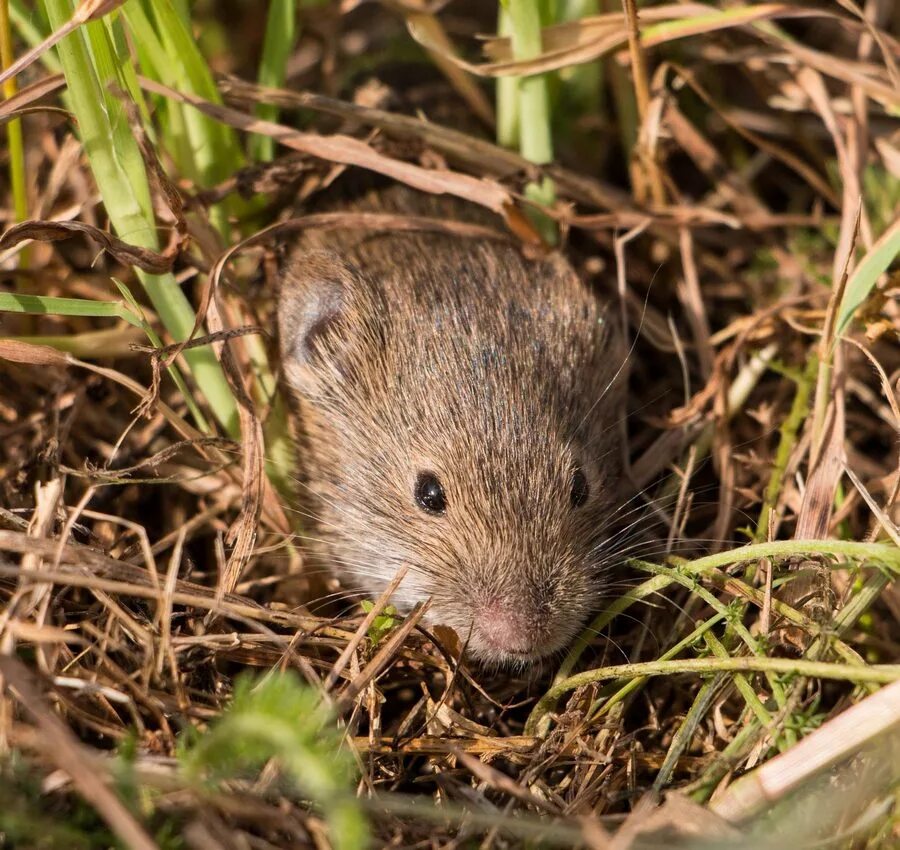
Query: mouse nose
{"type": "Point", "coordinates": [504, 629]}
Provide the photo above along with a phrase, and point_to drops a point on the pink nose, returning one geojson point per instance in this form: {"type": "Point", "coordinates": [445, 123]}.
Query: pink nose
{"type": "Point", "coordinates": [505, 630]}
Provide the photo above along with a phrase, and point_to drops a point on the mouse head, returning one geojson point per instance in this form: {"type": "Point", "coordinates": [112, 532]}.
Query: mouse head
{"type": "Point", "coordinates": [461, 418]}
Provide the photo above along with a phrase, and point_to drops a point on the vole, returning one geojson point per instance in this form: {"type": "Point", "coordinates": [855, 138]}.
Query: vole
{"type": "Point", "coordinates": [458, 408]}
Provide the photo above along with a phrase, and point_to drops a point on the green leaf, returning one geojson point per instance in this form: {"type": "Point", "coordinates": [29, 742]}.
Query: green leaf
{"type": "Point", "coordinates": [280, 717]}
{"type": "Point", "coordinates": [864, 277]}
{"type": "Point", "coordinates": [383, 623]}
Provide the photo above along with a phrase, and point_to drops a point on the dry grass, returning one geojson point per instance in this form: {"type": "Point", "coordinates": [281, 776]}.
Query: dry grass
{"type": "Point", "coordinates": [145, 564]}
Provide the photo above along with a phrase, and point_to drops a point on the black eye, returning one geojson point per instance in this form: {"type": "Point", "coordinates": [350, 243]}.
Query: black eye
{"type": "Point", "coordinates": [430, 494]}
{"type": "Point", "coordinates": [580, 489]}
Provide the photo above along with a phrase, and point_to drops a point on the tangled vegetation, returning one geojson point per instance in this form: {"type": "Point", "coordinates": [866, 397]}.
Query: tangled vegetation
{"type": "Point", "coordinates": [172, 677]}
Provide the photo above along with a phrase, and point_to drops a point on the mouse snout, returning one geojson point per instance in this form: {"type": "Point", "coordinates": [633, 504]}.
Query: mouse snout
{"type": "Point", "coordinates": [504, 629]}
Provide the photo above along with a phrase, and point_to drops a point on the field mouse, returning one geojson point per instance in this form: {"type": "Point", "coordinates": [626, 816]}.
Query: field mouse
{"type": "Point", "coordinates": [459, 410]}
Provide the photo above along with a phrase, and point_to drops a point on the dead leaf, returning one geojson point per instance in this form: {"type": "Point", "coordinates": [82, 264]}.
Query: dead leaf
{"type": "Point", "coordinates": [151, 262]}
{"type": "Point", "coordinates": [349, 151]}
{"type": "Point", "coordinates": [17, 351]}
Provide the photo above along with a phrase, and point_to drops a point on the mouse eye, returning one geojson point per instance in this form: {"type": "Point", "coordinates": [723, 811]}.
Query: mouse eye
{"type": "Point", "coordinates": [430, 494]}
{"type": "Point", "coordinates": [580, 489]}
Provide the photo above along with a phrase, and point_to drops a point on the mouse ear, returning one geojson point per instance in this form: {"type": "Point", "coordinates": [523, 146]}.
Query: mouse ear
{"type": "Point", "coordinates": [317, 293]}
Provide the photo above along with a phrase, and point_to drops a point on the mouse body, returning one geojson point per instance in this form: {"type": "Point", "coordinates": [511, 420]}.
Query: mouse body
{"type": "Point", "coordinates": [459, 412]}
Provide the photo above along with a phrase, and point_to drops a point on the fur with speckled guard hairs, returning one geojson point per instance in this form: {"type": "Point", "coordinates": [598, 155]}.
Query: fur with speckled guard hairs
{"type": "Point", "coordinates": [459, 412]}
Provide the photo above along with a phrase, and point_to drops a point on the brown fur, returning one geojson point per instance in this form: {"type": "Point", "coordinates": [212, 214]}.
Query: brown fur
{"type": "Point", "coordinates": [412, 352]}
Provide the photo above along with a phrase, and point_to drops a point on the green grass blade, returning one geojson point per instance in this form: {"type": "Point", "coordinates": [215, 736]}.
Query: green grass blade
{"type": "Point", "coordinates": [127, 71]}
{"type": "Point", "coordinates": [535, 141]}
{"type": "Point", "coordinates": [15, 142]}
{"type": "Point", "coordinates": [281, 34]}
{"type": "Point", "coordinates": [110, 77]}
{"type": "Point", "coordinates": [534, 123]}
{"type": "Point", "coordinates": [32, 32]}
{"type": "Point", "coordinates": [170, 114]}
{"type": "Point", "coordinates": [38, 305]}
{"type": "Point", "coordinates": [507, 94]}
{"type": "Point", "coordinates": [127, 197]}
{"type": "Point", "coordinates": [206, 151]}
{"type": "Point", "coordinates": [215, 150]}
{"type": "Point", "coordinates": [122, 180]}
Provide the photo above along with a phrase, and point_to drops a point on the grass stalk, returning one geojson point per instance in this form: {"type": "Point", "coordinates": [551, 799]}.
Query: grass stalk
{"type": "Point", "coordinates": [747, 738]}
{"type": "Point", "coordinates": [122, 180]}
{"type": "Point", "coordinates": [535, 141]}
{"type": "Point", "coordinates": [884, 555]}
{"type": "Point", "coordinates": [507, 93]}
{"type": "Point", "coordinates": [42, 305]}
{"type": "Point", "coordinates": [747, 691]}
{"type": "Point", "coordinates": [878, 553]}
{"type": "Point", "coordinates": [883, 673]}
{"type": "Point", "coordinates": [208, 151]}
{"type": "Point", "coordinates": [642, 97]}
{"type": "Point", "coordinates": [279, 40]}
{"type": "Point", "coordinates": [733, 615]}
{"type": "Point", "coordinates": [532, 106]}
{"type": "Point", "coordinates": [14, 137]}
{"type": "Point", "coordinates": [787, 439]}
{"type": "Point", "coordinates": [681, 738]}
{"type": "Point", "coordinates": [632, 685]}
{"type": "Point", "coordinates": [757, 596]}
